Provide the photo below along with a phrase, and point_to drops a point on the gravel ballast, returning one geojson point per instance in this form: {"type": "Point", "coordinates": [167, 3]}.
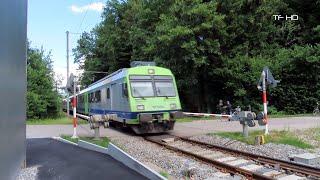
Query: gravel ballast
{"type": "Point", "coordinates": [175, 164]}
{"type": "Point", "coordinates": [277, 151]}
{"type": "Point", "coordinates": [29, 173]}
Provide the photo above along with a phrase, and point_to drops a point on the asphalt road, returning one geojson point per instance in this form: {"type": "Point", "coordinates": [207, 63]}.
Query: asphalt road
{"type": "Point", "coordinates": [210, 126]}
{"type": "Point", "coordinates": [183, 129]}
{"type": "Point", "coordinates": [58, 160]}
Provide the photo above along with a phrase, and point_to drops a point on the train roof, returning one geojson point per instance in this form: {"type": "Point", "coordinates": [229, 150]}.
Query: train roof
{"type": "Point", "coordinates": [118, 75]}
{"type": "Point", "coordinates": [109, 78]}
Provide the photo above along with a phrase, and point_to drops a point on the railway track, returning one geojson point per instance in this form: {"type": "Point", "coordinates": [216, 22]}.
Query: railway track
{"type": "Point", "coordinates": [251, 166]}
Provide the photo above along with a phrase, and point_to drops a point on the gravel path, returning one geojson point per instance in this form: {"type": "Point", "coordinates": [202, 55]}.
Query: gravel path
{"type": "Point", "coordinates": [176, 165]}
{"type": "Point", "coordinates": [277, 151]}
{"type": "Point", "coordinates": [29, 173]}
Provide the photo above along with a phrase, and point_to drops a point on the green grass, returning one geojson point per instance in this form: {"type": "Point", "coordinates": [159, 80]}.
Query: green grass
{"type": "Point", "coordinates": [311, 135]}
{"type": "Point", "coordinates": [317, 130]}
{"type": "Point", "coordinates": [75, 140]}
{"type": "Point", "coordinates": [104, 141]}
{"type": "Point", "coordinates": [277, 137]}
{"type": "Point", "coordinates": [164, 174]}
{"type": "Point", "coordinates": [51, 121]}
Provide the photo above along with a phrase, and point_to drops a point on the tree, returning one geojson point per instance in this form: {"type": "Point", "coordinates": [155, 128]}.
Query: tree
{"type": "Point", "coordinates": [42, 98]}
{"type": "Point", "coordinates": [215, 48]}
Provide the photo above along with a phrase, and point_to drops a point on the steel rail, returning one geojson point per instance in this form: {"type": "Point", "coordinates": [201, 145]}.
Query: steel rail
{"type": "Point", "coordinates": [220, 165]}
{"type": "Point", "coordinates": [290, 166]}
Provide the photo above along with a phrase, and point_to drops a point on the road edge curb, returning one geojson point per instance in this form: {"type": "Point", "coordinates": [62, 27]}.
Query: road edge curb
{"type": "Point", "coordinates": [64, 140]}
{"type": "Point", "coordinates": [92, 147]}
{"type": "Point", "coordinates": [119, 155]}
{"type": "Point", "coordinates": [123, 157]}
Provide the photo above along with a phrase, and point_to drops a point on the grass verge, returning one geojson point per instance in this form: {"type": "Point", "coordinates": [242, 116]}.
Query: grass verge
{"type": "Point", "coordinates": [52, 121]}
{"type": "Point", "coordinates": [317, 133]}
{"type": "Point", "coordinates": [277, 137]}
{"type": "Point", "coordinates": [164, 174]}
{"type": "Point", "coordinates": [75, 140]}
{"type": "Point", "coordinates": [104, 141]}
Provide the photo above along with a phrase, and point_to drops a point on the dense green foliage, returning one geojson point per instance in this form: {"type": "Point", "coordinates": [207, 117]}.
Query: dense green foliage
{"type": "Point", "coordinates": [216, 49]}
{"type": "Point", "coordinates": [42, 98]}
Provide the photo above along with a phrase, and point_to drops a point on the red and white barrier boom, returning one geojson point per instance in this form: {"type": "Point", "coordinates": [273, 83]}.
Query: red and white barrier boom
{"type": "Point", "coordinates": [206, 115]}
{"type": "Point", "coordinates": [266, 79]}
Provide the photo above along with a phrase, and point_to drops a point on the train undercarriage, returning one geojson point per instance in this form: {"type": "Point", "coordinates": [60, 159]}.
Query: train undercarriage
{"type": "Point", "coordinates": [148, 123]}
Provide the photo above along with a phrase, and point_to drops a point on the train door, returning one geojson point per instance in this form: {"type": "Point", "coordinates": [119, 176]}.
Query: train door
{"type": "Point", "coordinates": [86, 103]}
{"type": "Point", "coordinates": [108, 100]}
{"type": "Point", "coordinates": [113, 96]}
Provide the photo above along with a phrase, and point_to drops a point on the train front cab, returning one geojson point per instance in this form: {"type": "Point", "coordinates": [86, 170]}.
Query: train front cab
{"type": "Point", "coordinates": [154, 99]}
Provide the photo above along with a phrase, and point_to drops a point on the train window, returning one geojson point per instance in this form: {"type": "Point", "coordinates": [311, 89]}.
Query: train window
{"type": "Point", "coordinates": [91, 97]}
{"type": "Point", "coordinates": [162, 77]}
{"type": "Point", "coordinates": [108, 93]}
{"type": "Point", "coordinates": [98, 96]}
{"type": "Point", "coordinates": [79, 99]}
{"type": "Point", "coordinates": [165, 88]}
{"type": "Point", "coordinates": [142, 89]}
{"type": "Point", "coordinates": [82, 98]}
{"type": "Point", "coordinates": [124, 90]}
{"type": "Point", "coordinates": [140, 77]}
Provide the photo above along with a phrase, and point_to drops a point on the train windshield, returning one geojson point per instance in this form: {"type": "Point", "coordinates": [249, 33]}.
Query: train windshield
{"type": "Point", "coordinates": [150, 86]}
{"type": "Point", "coordinates": [165, 89]}
{"type": "Point", "coordinates": [142, 89]}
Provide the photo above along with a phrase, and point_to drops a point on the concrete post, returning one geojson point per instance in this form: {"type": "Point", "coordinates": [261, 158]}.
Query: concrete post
{"type": "Point", "coordinates": [97, 133]}
{"type": "Point", "coordinates": [245, 129]}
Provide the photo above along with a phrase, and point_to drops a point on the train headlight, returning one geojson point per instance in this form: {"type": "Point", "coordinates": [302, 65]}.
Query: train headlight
{"type": "Point", "coordinates": [173, 106]}
{"type": "Point", "coordinates": [140, 107]}
{"type": "Point", "coordinates": [150, 71]}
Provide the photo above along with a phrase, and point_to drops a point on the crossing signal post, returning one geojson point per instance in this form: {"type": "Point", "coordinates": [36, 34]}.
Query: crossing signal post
{"type": "Point", "coordinates": [266, 79]}
{"type": "Point", "coordinates": [72, 89]}
{"type": "Point", "coordinates": [74, 105]}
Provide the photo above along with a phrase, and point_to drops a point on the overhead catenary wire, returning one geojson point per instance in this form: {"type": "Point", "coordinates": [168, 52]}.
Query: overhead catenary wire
{"type": "Point", "coordinates": [84, 16]}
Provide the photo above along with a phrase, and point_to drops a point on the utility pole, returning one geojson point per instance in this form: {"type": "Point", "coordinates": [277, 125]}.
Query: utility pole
{"type": "Point", "coordinates": [68, 101]}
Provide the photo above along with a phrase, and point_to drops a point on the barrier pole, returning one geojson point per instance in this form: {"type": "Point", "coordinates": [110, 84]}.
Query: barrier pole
{"type": "Point", "coordinates": [264, 99]}
{"type": "Point", "coordinates": [74, 103]}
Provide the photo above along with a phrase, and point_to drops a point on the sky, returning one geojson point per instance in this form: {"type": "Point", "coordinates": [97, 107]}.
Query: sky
{"type": "Point", "coordinates": [48, 21]}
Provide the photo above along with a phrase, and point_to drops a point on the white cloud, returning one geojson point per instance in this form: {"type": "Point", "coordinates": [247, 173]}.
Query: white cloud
{"type": "Point", "coordinates": [96, 6]}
